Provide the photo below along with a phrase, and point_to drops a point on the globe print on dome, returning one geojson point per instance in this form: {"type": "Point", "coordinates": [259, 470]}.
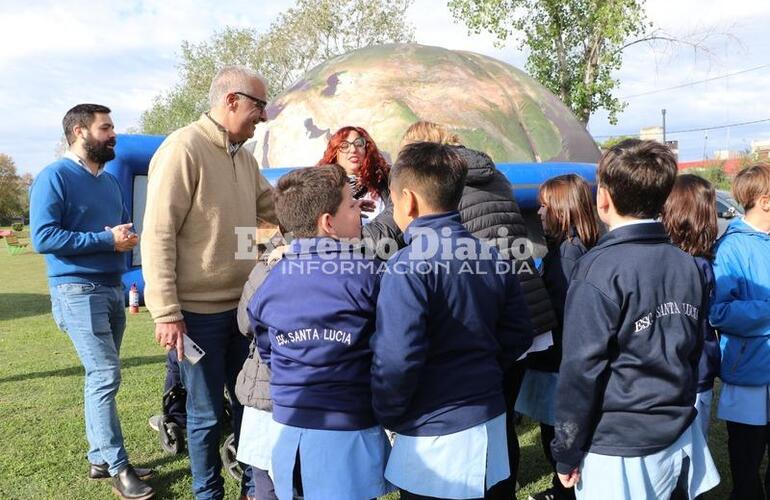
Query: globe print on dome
{"type": "Point", "coordinates": [492, 106]}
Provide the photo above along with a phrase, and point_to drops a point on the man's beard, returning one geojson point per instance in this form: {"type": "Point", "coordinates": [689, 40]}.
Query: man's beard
{"type": "Point", "coordinates": [99, 152]}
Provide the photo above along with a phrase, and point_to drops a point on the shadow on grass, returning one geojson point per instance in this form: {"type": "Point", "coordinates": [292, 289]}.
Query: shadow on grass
{"type": "Point", "coordinates": [163, 480]}
{"type": "Point", "coordinates": [78, 370]}
{"type": "Point", "coordinates": [23, 305]}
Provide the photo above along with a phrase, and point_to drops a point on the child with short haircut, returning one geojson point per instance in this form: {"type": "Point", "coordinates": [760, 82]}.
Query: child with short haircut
{"type": "Point", "coordinates": [631, 343]}
{"type": "Point", "coordinates": [571, 228]}
{"type": "Point", "coordinates": [690, 218]}
{"type": "Point", "coordinates": [451, 318]}
{"type": "Point", "coordinates": [313, 317]}
{"type": "Point", "coordinates": [741, 313]}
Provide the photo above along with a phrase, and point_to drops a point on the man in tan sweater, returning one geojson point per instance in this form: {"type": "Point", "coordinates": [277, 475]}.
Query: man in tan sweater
{"type": "Point", "coordinates": [202, 186]}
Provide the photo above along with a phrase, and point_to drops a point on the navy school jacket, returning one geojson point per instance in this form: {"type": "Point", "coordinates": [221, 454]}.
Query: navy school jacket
{"type": "Point", "coordinates": [632, 341]}
{"type": "Point", "coordinates": [313, 317]}
{"type": "Point", "coordinates": [448, 323]}
{"type": "Point", "coordinates": [558, 265]}
{"type": "Point", "coordinates": [711, 357]}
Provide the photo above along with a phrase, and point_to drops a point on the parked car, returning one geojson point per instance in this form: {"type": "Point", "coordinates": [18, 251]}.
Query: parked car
{"type": "Point", "coordinates": [727, 209]}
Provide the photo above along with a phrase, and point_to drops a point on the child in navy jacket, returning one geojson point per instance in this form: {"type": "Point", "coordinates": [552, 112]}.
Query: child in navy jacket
{"type": "Point", "coordinates": [632, 340]}
{"type": "Point", "coordinates": [450, 318]}
{"type": "Point", "coordinates": [690, 218]}
{"type": "Point", "coordinates": [570, 227]}
{"type": "Point", "coordinates": [313, 318]}
{"type": "Point", "coordinates": [741, 313]}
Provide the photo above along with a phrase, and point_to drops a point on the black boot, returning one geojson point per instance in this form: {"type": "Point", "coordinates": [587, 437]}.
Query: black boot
{"type": "Point", "coordinates": [128, 486]}
{"type": "Point", "coordinates": [101, 471]}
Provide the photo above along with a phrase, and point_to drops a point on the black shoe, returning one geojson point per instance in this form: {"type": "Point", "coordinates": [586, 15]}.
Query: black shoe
{"type": "Point", "coordinates": [101, 471]}
{"type": "Point", "coordinates": [128, 486]}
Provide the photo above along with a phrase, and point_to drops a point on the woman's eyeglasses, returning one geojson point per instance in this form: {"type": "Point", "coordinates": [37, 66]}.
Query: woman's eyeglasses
{"type": "Point", "coordinates": [359, 143]}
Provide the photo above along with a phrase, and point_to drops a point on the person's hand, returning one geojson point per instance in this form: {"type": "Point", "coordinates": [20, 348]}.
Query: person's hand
{"type": "Point", "coordinates": [571, 479]}
{"type": "Point", "coordinates": [125, 239]}
{"type": "Point", "coordinates": [170, 336]}
{"type": "Point", "coordinates": [367, 205]}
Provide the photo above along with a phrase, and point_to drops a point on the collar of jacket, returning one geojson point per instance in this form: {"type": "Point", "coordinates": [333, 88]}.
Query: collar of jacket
{"type": "Point", "coordinates": [217, 134]}
{"type": "Point", "coordinates": [650, 231]}
{"type": "Point", "coordinates": [740, 226]}
{"type": "Point", "coordinates": [436, 222]}
{"type": "Point", "coordinates": [322, 245]}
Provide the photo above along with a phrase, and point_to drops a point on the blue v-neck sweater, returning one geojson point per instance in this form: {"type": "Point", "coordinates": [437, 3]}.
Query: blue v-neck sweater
{"type": "Point", "coordinates": [69, 209]}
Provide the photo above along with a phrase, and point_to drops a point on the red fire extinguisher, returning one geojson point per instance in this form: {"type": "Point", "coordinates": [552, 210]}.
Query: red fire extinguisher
{"type": "Point", "coordinates": [133, 299]}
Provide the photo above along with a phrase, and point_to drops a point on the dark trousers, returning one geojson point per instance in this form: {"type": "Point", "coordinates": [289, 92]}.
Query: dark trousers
{"type": "Point", "coordinates": [263, 485]}
{"type": "Point", "coordinates": [746, 445]}
{"type": "Point", "coordinates": [546, 436]}
{"type": "Point", "coordinates": [511, 385]}
{"type": "Point", "coordinates": [176, 410]}
{"type": "Point", "coordinates": [226, 350]}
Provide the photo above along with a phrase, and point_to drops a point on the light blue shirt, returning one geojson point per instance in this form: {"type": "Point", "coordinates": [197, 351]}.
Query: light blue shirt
{"type": "Point", "coordinates": [744, 404]}
{"type": "Point", "coordinates": [343, 465]}
{"type": "Point", "coordinates": [459, 465]}
{"type": "Point", "coordinates": [72, 156]}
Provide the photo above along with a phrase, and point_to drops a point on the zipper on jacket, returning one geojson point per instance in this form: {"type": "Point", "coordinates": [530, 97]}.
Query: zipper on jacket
{"type": "Point", "coordinates": [740, 355]}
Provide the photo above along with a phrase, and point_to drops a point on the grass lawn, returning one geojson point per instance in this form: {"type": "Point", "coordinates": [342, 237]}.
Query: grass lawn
{"type": "Point", "coordinates": [42, 436]}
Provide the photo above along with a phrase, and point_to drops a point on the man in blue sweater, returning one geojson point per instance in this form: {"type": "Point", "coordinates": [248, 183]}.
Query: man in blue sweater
{"type": "Point", "coordinates": [79, 221]}
{"type": "Point", "coordinates": [451, 318]}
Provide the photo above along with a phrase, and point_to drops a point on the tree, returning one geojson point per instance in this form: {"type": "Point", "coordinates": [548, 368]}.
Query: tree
{"type": "Point", "coordinates": [11, 190]}
{"type": "Point", "coordinates": [574, 45]}
{"type": "Point", "coordinates": [612, 141]}
{"type": "Point", "coordinates": [305, 35]}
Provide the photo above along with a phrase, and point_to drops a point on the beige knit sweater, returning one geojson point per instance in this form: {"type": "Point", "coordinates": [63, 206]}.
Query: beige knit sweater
{"type": "Point", "coordinates": [197, 194]}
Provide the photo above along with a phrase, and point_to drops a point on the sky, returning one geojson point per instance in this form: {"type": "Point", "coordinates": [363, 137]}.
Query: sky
{"type": "Point", "coordinates": [124, 53]}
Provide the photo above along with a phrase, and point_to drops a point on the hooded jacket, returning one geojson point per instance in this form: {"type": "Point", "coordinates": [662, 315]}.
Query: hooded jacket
{"type": "Point", "coordinates": [741, 306]}
{"type": "Point", "coordinates": [489, 206]}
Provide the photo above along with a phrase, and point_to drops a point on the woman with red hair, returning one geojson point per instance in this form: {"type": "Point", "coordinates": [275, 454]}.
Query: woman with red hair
{"type": "Point", "coordinates": [354, 150]}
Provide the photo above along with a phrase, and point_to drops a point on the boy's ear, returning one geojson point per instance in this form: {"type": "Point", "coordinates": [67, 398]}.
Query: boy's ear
{"type": "Point", "coordinates": [326, 225]}
{"type": "Point", "coordinates": [411, 203]}
{"type": "Point", "coordinates": [764, 202]}
{"type": "Point", "coordinates": [603, 200]}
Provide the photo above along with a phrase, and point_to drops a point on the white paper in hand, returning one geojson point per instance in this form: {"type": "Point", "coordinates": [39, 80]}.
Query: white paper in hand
{"type": "Point", "coordinates": [192, 351]}
{"type": "Point", "coordinates": [539, 343]}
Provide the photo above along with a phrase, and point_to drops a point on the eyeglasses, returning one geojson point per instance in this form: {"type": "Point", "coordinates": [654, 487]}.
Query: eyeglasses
{"type": "Point", "coordinates": [258, 103]}
{"type": "Point", "coordinates": [359, 143]}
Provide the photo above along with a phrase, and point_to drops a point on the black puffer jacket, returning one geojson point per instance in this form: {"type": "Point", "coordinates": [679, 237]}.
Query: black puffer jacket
{"type": "Point", "coordinates": [488, 205]}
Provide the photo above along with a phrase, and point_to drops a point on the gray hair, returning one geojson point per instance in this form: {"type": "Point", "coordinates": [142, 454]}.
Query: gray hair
{"type": "Point", "coordinates": [231, 79]}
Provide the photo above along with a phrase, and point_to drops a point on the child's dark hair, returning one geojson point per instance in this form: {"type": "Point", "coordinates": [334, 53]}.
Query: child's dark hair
{"type": "Point", "coordinates": [435, 171]}
{"type": "Point", "coordinates": [639, 176]}
{"type": "Point", "coordinates": [690, 215]}
{"type": "Point", "coordinates": [751, 183]}
{"type": "Point", "coordinates": [569, 204]}
{"type": "Point", "coordinates": [304, 195]}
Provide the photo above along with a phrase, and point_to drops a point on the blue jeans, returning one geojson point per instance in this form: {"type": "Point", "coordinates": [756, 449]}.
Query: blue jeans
{"type": "Point", "coordinates": [94, 317]}
{"type": "Point", "coordinates": [226, 350]}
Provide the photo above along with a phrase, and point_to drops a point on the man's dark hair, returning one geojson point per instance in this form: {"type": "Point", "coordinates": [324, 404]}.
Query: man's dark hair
{"type": "Point", "coordinates": [435, 171]}
{"type": "Point", "coordinates": [83, 115]}
{"type": "Point", "coordinates": [304, 195]}
{"type": "Point", "coordinates": [639, 176]}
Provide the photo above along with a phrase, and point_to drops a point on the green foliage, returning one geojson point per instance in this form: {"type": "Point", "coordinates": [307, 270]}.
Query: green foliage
{"type": "Point", "coordinates": [305, 35]}
{"type": "Point", "coordinates": [13, 195]}
{"type": "Point", "coordinates": [612, 141]}
{"type": "Point", "coordinates": [17, 227]}
{"type": "Point", "coordinates": [715, 174]}
{"type": "Point", "coordinates": [574, 45]}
